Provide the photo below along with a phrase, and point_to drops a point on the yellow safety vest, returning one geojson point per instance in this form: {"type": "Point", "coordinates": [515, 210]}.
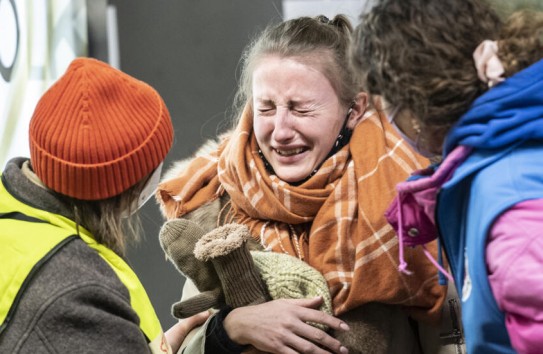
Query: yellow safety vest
{"type": "Point", "coordinates": [30, 236]}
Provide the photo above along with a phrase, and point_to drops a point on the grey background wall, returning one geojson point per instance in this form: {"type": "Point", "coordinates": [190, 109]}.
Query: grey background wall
{"type": "Point", "coordinates": [189, 51]}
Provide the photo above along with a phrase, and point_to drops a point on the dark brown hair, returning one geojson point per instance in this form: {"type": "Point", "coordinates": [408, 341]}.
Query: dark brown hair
{"type": "Point", "coordinates": [418, 54]}
{"type": "Point", "coordinates": [521, 41]}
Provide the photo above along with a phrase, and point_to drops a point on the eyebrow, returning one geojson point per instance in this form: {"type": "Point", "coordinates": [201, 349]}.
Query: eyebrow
{"type": "Point", "coordinates": [290, 103]}
{"type": "Point", "coordinates": [265, 101]}
{"type": "Point", "coordinates": [306, 104]}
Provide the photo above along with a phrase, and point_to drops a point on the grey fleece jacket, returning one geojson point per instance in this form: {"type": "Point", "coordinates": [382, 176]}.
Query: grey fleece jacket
{"type": "Point", "coordinates": [75, 303]}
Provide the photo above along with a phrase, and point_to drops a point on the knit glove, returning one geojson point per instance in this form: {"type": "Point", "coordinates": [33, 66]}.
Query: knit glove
{"type": "Point", "coordinates": [226, 248]}
{"type": "Point", "coordinates": [178, 238]}
{"type": "Point", "coordinates": [225, 272]}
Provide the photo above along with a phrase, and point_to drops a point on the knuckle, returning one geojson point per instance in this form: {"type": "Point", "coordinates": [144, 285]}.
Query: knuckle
{"type": "Point", "coordinates": [307, 348]}
{"type": "Point", "coordinates": [283, 332]}
{"type": "Point", "coordinates": [322, 317]}
{"type": "Point", "coordinates": [319, 336]}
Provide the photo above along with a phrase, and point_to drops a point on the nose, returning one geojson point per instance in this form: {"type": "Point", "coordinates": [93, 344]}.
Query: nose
{"type": "Point", "coordinates": [284, 127]}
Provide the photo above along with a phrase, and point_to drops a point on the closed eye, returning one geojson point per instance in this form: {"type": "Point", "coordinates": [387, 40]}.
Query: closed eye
{"type": "Point", "coordinates": [301, 108]}
{"type": "Point", "coordinates": [265, 111]}
{"type": "Point", "coordinates": [301, 112]}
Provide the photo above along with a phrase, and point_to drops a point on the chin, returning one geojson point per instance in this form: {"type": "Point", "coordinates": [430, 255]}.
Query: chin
{"type": "Point", "coordinates": [291, 177]}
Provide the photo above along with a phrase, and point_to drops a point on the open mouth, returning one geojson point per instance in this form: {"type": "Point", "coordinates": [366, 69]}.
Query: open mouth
{"type": "Point", "coordinates": [290, 152]}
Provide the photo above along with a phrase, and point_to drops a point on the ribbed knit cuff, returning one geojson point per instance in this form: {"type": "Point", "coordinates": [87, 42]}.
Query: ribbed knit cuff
{"type": "Point", "coordinates": [241, 281]}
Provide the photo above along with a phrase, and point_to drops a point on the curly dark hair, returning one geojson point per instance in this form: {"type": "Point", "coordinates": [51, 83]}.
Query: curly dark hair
{"type": "Point", "coordinates": [521, 41]}
{"type": "Point", "coordinates": [418, 54]}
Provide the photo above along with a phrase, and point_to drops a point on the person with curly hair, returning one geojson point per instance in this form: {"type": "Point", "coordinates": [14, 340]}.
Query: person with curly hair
{"type": "Point", "coordinates": [459, 83]}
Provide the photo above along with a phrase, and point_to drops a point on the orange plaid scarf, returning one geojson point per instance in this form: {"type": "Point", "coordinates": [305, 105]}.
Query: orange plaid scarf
{"type": "Point", "coordinates": [334, 220]}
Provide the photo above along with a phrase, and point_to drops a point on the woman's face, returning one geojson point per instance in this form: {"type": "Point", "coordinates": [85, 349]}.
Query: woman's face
{"type": "Point", "coordinates": [297, 116]}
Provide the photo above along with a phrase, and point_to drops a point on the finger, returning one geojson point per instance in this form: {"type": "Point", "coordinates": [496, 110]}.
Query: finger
{"type": "Point", "coordinates": [283, 350]}
{"type": "Point", "coordinates": [317, 316]}
{"type": "Point", "coordinates": [314, 302]}
{"type": "Point", "coordinates": [177, 333]}
{"type": "Point", "coordinates": [308, 336]}
{"type": "Point", "coordinates": [305, 345]}
{"type": "Point", "coordinates": [196, 320]}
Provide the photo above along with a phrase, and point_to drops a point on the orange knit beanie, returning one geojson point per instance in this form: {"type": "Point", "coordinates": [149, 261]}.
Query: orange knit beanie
{"type": "Point", "coordinates": [98, 131]}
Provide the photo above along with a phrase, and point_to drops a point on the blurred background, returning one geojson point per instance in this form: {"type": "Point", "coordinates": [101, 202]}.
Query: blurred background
{"type": "Point", "coordinates": [188, 50]}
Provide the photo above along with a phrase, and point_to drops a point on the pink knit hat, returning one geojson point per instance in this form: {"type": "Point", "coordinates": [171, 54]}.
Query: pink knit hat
{"type": "Point", "coordinates": [98, 131]}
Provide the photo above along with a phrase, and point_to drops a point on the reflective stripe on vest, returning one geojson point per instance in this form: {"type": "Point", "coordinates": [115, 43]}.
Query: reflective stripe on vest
{"type": "Point", "coordinates": [30, 236]}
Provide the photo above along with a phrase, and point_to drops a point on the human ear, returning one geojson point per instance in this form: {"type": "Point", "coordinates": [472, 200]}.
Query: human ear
{"type": "Point", "coordinates": [360, 103]}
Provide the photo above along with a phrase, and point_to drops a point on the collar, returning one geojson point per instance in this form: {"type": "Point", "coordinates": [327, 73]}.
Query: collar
{"type": "Point", "coordinates": [23, 184]}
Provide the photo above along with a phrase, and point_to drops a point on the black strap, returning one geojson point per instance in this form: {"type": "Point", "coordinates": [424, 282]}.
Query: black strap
{"type": "Point", "coordinates": [21, 217]}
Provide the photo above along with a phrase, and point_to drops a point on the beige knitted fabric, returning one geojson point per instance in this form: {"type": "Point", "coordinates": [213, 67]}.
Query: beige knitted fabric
{"type": "Point", "coordinates": [224, 271]}
{"type": "Point", "coordinates": [177, 238]}
{"type": "Point", "coordinates": [225, 247]}
{"type": "Point", "coordinates": [288, 277]}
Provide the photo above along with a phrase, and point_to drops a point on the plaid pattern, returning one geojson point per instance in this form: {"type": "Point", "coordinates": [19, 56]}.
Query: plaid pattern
{"type": "Point", "coordinates": [334, 221]}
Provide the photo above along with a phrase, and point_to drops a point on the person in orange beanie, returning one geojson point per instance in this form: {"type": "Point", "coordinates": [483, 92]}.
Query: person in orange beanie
{"type": "Point", "coordinates": [98, 138]}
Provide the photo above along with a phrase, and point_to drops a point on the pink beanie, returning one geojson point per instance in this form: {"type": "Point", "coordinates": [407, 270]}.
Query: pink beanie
{"type": "Point", "coordinates": [98, 131]}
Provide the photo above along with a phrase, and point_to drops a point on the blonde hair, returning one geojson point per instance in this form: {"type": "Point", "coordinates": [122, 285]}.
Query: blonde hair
{"type": "Point", "coordinates": [104, 218]}
{"type": "Point", "coordinates": [315, 41]}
